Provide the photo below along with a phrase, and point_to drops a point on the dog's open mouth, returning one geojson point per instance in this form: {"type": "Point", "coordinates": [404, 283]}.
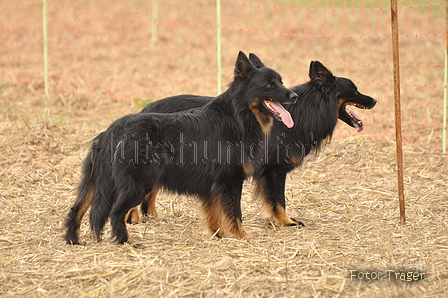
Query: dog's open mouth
{"type": "Point", "coordinates": [355, 119]}
{"type": "Point", "coordinates": [278, 112]}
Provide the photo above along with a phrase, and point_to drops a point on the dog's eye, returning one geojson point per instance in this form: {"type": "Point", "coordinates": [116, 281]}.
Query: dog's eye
{"type": "Point", "coordinates": [270, 85]}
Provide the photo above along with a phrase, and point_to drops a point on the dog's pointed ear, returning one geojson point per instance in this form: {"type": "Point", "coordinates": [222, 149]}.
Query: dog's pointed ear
{"type": "Point", "coordinates": [320, 74]}
{"type": "Point", "coordinates": [243, 66]}
{"type": "Point", "coordinates": [255, 60]}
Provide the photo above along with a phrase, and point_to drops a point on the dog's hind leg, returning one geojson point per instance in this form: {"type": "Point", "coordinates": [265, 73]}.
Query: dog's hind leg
{"type": "Point", "coordinates": [270, 188]}
{"type": "Point", "coordinates": [149, 203]}
{"type": "Point", "coordinates": [148, 207]}
{"type": "Point", "coordinates": [132, 185]}
{"type": "Point", "coordinates": [133, 217]}
{"type": "Point", "coordinates": [127, 199]}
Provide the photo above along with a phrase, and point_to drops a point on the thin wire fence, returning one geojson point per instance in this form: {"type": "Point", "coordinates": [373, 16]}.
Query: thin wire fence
{"type": "Point", "coordinates": [145, 50]}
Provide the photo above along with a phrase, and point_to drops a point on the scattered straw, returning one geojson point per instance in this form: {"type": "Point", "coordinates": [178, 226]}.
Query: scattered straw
{"type": "Point", "coordinates": [350, 212]}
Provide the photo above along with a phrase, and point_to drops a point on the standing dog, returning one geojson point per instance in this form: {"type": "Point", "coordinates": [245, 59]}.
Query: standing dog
{"type": "Point", "coordinates": [207, 153]}
{"type": "Point", "coordinates": [322, 101]}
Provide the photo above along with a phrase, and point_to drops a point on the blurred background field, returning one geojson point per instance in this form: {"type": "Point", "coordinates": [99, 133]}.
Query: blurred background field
{"type": "Point", "coordinates": [110, 58]}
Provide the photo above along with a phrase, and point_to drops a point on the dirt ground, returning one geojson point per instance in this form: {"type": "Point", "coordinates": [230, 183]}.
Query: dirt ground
{"type": "Point", "coordinates": [102, 60]}
{"type": "Point", "coordinates": [347, 196]}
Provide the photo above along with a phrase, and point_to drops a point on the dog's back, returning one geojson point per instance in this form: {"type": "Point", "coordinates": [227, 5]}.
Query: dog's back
{"type": "Point", "coordinates": [177, 103]}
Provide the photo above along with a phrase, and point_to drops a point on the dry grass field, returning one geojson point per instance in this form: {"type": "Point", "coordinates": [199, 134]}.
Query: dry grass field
{"type": "Point", "coordinates": [347, 195]}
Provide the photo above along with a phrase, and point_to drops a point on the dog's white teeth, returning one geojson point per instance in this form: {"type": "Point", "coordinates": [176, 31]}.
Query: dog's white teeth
{"type": "Point", "coordinates": [357, 105]}
{"type": "Point", "coordinates": [269, 106]}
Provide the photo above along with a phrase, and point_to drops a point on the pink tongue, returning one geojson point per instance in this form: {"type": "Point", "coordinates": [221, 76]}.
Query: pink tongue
{"type": "Point", "coordinates": [361, 127]}
{"type": "Point", "coordinates": [286, 116]}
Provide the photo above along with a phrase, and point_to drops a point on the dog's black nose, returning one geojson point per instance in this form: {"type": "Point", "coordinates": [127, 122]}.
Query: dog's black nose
{"type": "Point", "coordinates": [293, 97]}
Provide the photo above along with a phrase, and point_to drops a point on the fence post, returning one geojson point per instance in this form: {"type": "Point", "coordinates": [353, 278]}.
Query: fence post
{"type": "Point", "coordinates": [218, 46]}
{"type": "Point", "coordinates": [398, 136]}
{"type": "Point", "coordinates": [45, 40]}
{"type": "Point", "coordinates": [445, 104]}
{"type": "Point", "coordinates": [155, 21]}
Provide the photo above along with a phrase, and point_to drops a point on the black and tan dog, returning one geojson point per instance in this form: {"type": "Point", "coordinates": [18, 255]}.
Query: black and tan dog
{"type": "Point", "coordinates": [324, 99]}
{"type": "Point", "coordinates": [207, 153]}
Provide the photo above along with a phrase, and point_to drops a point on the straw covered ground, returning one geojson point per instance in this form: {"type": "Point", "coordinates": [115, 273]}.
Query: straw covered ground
{"type": "Point", "coordinates": [347, 196]}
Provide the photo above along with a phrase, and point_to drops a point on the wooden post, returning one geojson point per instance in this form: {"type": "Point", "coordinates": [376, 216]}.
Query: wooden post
{"type": "Point", "coordinates": [445, 91]}
{"type": "Point", "coordinates": [398, 136]}
{"type": "Point", "coordinates": [155, 21]}
{"type": "Point", "coordinates": [45, 41]}
{"type": "Point", "coordinates": [218, 46]}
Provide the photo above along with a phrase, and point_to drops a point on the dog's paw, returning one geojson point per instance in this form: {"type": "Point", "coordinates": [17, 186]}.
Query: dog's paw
{"type": "Point", "coordinates": [296, 223]}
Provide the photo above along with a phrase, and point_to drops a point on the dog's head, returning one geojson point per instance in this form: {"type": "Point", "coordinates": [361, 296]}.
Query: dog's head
{"type": "Point", "coordinates": [263, 91]}
{"type": "Point", "coordinates": [344, 91]}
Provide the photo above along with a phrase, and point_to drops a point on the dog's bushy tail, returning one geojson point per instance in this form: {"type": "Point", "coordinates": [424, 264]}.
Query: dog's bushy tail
{"type": "Point", "coordinates": [104, 194]}
{"type": "Point", "coordinates": [95, 191]}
